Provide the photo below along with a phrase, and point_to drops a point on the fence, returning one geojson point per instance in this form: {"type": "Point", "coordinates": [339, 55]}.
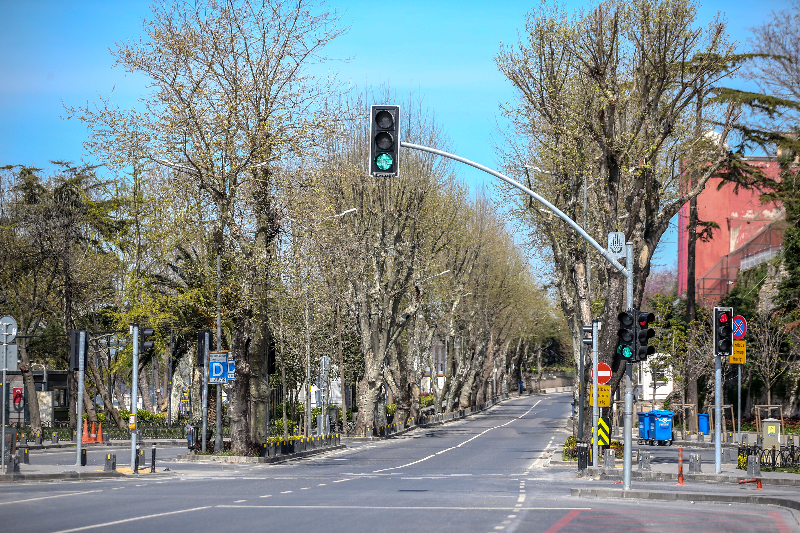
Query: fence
{"type": "Point", "coordinates": [782, 457]}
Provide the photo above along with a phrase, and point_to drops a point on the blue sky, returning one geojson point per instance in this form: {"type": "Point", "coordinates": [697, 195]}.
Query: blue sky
{"type": "Point", "coordinates": [57, 51]}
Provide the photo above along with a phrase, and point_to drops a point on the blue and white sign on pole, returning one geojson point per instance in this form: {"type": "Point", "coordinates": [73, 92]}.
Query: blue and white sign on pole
{"type": "Point", "coordinates": [231, 369]}
{"type": "Point", "coordinates": [218, 367]}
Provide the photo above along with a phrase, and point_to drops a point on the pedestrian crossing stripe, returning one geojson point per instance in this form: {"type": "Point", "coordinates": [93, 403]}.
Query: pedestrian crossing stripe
{"type": "Point", "coordinates": [603, 434]}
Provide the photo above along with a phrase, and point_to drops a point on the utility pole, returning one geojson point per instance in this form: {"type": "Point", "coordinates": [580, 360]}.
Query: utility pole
{"type": "Point", "coordinates": [595, 399]}
{"type": "Point", "coordinates": [206, 346]}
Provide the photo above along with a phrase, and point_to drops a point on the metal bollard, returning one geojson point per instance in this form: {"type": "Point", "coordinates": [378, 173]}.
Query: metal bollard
{"type": "Point", "coordinates": [136, 459]}
{"type": "Point", "coordinates": [54, 438]}
{"type": "Point", "coordinates": [701, 437]}
{"type": "Point", "coordinates": [23, 456]}
{"type": "Point", "coordinates": [759, 441]}
{"type": "Point", "coordinates": [644, 461]}
{"type": "Point", "coordinates": [12, 466]}
{"type": "Point", "coordinates": [153, 459]}
{"type": "Point", "coordinates": [609, 461]}
{"type": "Point", "coordinates": [38, 440]}
{"type": "Point", "coordinates": [83, 457]}
{"type": "Point", "coordinates": [111, 462]}
{"type": "Point", "coordinates": [753, 466]}
{"type": "Point", "coordinates": [23, 441]}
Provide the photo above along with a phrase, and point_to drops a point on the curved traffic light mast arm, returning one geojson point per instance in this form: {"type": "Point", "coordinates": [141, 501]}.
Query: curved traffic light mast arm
{"type": "Point", "coordinates": [625, 272]}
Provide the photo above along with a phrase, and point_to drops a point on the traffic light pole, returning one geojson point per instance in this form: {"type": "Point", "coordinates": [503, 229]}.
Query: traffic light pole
{"type": "Point", "coordinates": [627, 272]}
{"type": "Point", "coordinates": [717, 415]}
{"type": "Point", "coordinates": [134, 399]}
{"type": "Point", "coordinates": [81, 376]}
{"type": "Point", "coordinates": [628, 420]}
{"type": "Point", "coordinates": [595, 406]}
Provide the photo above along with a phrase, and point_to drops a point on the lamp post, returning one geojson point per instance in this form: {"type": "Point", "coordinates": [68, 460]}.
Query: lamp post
{"type": "Point", "coordinates": [307, 319]}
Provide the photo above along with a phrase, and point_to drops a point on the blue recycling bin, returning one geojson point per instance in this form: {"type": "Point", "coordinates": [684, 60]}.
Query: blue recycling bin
{"type": "Point", "coordinates": [702, 424]}
{"type": "Point", "coordinates": [573, 409]}
{"type": "Point", "coordinates": [661, 425]}
{"type": "Point", "coordinates": [644, 426]}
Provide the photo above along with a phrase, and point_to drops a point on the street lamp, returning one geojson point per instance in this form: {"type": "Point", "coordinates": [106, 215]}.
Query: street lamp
{"type": "Point", "coordinates": [308, 323]}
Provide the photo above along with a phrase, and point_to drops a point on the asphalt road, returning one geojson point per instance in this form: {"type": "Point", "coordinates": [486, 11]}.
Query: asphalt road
{"type": "Point", "coordinates": [480, 474]}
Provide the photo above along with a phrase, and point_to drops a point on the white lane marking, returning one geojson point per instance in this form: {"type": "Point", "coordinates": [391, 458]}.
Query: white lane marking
{"type": "Point", "coordinates": [521, 498]}
{"type": "Point", "coordinates": [403, 507]}
{"type": "Point", "coordinates": [304, 488]}
{"type": "Point", "coordinates": [458, 445]}
{"type": "Point", "coordinates": [54, 496]}
{"type": "Point", "coordinates": [340, 480]}
{"type": "Point", "coordinates": [126, 520]}
{"type": "Point", "coordinates": [286, 492]}
{"type": "Point", "coordinates": [239, 501]}
{"type": "Point", "coordinates": [321, 484]}
{"type": "Point", "coordinates": [266, 496]}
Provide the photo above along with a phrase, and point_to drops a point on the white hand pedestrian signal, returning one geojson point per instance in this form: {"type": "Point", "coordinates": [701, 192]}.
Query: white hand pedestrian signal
{"type": "Point", "coordinates": [616, 244]}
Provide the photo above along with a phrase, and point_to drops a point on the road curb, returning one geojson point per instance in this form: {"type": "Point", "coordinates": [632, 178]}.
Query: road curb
{"type": "Point", "coordinates": [604, 474]}
{"type": "Point", "coordinates": [684, 496]}
{"type": "Point", "coordinates": [59, 476]}
{"type": "Point", "coordinates": [233, 459]}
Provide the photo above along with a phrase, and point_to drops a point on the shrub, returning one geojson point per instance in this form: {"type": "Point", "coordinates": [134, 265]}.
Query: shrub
{"type": "Point", "coordinates": [570, 452]}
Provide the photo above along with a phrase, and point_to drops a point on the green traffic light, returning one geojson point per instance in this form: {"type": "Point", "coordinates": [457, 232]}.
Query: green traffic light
{"type": "Point", "coordinates": [383, 161]}
{"type": "Point", "coordinates": [624, 351]}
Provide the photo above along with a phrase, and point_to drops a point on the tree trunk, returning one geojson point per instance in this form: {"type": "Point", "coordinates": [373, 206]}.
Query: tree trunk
{"type": "Point", "coordinates": [107, 401]}
{"type": "Point", "coordinates": [30, 386]}
{"type": "Point", "coordinates": [144, 389]}
{"type": "Point", "coordinates": [88, 405]}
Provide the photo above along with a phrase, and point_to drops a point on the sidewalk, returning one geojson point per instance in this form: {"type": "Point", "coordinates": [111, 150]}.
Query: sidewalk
{"type": "Point", "coordinates": [60, 473]}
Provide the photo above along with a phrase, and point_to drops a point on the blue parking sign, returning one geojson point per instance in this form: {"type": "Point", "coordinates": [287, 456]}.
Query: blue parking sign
{"type": "Point", "coordinates": [231, 369]}
{"type": "Point", "coordinates": [218, 367]}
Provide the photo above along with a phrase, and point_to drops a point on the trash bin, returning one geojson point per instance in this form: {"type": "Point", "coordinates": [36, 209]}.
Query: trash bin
{"type": "Point", "coordinates": [644, 426]}
{"type": "Point", "coordinates": [702, 423]}
{"type": "Point", "coordinates": [573, 409]}
{"type": "Point", "coordinates": [661, 426]}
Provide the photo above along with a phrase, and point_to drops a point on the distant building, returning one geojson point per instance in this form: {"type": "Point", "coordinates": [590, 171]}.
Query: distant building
{"type": "Point", "coordinates": [750, 233]}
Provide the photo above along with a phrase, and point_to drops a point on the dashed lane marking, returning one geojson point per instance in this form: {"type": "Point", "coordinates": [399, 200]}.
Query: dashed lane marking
{"type": "Point", "coordinates": [458, 445]}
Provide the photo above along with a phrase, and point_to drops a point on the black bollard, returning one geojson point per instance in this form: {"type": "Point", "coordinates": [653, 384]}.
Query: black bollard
{"type": "Point", "coordinates": [111, 463]}
{"type": "Point", "coordinates": [153, 459]}
{"type": "Point", "coordinates": [83, 457]}
{"type": "Point", "coordinates": [136, 460]}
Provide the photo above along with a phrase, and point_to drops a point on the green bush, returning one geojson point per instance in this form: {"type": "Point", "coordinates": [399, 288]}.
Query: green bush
{"type": "Point", "coordinates": [570, 452]}
{"type": "Point", "coordinates": [391, 408]}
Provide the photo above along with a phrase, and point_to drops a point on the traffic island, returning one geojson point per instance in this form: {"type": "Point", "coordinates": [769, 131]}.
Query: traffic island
{"type": "Point", "coordinates": [193, 457]}
{"type": "Point", "coordinates": [685, 496]}
{"type": "Point", "coordinates": [58, 476]}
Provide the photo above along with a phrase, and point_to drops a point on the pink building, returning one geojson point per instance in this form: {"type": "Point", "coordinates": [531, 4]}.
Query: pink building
{"type": "Point", "coordinates": [750, 232]}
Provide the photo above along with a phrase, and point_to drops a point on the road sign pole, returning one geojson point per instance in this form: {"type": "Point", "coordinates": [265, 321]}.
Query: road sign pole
{"type": "Point", "coordinates": [206, 343]}
{"type": "Point", "coordinates": [3, 388]}
{"type": "Point", "coordinates": [595, 402]}
{"type": "Point", "coordinates": [581, 389]}
{"type": "Point", "coordinates": [739, 405]}
{"type": "Point", "coordinates": [81, 375]}
{"type": "Point", "coordinates": [218, 446]}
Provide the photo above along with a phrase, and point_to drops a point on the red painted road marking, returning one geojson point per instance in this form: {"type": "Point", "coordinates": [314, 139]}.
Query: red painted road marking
{"type": "Point", "coordinates": [563, 522]}
{"type": "Point", "coordinates": [780, 523]}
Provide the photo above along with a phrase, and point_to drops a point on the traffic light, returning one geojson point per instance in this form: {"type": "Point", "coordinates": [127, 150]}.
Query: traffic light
{"type": "Point", "coordinates": [384, 141]}
{"type": "Point", "coordinates": [144, 343]}
{"type": "Point", "coordinates": [643, 333]}
{"type": "Point", "coordinates": [74, 348]}
{"type": "Point", "coordinates": [625, 335]}
{"type": "Point", "coordinates": [723, 332]}
{"type": "Point", "coordinates": [587, 335]}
